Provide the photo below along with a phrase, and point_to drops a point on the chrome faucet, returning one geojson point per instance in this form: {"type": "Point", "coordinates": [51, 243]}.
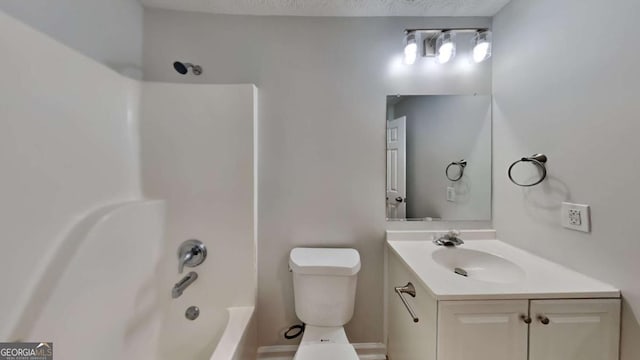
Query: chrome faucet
{"type": "Point", "coordinates": [449, 239]}
{"type": "Point", "coordinates": [181, 285]}
{"type": "Point", "coordinates": [191, 253]}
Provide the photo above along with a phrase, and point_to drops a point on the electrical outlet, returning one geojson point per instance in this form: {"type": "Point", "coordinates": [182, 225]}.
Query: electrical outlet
{"type": "Point", "coordinates": [451, 194]}
{"type": "Point", "coordinates": [576, 217]}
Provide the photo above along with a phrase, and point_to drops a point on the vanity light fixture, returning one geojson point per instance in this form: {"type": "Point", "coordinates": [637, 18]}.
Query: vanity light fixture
{"type": "Point", "coordinates": [441, 44]}
{"type": "Point", "coordinates": [482, 46]}
{"type": "Point", "coordinates": [410, 48]}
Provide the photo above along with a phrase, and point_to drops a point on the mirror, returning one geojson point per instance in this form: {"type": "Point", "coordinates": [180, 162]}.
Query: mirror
{"type": "Point", "coordinates": [438, 157]}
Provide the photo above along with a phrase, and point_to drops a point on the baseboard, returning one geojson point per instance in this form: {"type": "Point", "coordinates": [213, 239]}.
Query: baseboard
{"type": "Point", "coordinates": [366, 351]}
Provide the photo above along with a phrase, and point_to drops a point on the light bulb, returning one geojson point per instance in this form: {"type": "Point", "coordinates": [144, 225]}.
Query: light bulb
{"type": "Point", "coordinates": [446, 47]}
{"type": "Point", "coordinates": [410, 49]}
{"type": "Point", "coordinates": [410, 53]}
{"type": "Point", "coordinates": [446, 53]}
{"type": "Point", "coordinates": [482, 47]}
{"type": "Point", "coordinates": [480, 51]}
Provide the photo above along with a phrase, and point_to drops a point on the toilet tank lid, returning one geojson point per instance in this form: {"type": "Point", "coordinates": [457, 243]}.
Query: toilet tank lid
{"type": "Point", "coordinates": [324, 261]}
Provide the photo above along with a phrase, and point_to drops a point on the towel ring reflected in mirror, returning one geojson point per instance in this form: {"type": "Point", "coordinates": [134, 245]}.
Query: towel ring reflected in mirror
{"type": "Point", "coordinates": [539, 160]}
{"type": "Point", "coordinates": [461, 164]}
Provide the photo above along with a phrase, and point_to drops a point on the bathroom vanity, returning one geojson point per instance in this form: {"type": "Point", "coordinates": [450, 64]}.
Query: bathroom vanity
{"type": "Point", "coordinates": [487, 300]}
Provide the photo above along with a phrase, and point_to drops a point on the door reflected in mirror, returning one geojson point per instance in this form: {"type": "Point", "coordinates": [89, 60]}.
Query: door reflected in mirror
{"type": "Point", "coordinates": [438, 157]}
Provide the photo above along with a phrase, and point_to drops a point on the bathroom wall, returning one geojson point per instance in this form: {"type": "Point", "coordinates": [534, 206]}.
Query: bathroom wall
{"type": "Point", "coordinates": [67, 147]}
{"type": "Point", "coordinates": [107, 31]}
{"type": "Point", "coordinates": [566, 81]}
{"type": "Point", "coordinates": [442, 129]}
{"type": "Point", "coordinates": [323, 84]}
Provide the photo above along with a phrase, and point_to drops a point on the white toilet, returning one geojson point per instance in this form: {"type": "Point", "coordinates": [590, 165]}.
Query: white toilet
{"type": "Point", "coordinates": [324, 286]}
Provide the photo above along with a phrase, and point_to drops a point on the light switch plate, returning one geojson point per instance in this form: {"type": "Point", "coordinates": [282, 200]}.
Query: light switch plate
{"type": "Point", "coordinates": [451, 194]}
{"type": "Point", "coordinates": [576, 217]}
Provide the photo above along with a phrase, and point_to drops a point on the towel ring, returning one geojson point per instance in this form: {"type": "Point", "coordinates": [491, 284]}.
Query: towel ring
{"type": "Point", "coordinates": [538, 160]}
{"type": "Point", "coordinates": [462, 164]}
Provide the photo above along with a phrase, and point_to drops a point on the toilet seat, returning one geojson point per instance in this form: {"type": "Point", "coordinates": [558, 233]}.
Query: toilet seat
{"type": "Point", "coordinates": [326, 351]}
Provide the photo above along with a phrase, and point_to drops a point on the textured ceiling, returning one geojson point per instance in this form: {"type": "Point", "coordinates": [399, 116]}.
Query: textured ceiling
{"type": "Point", "coordinates": [337, 7]}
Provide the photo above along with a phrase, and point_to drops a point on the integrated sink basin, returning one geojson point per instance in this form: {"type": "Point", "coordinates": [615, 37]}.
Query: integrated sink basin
{"type": "Point", "coordinates": [478, 265]}
{"type": "Point", "coordinates": [485, 268]}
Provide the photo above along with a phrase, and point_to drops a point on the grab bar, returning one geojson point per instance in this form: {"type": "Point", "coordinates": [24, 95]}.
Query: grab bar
{"type": "Point", "coordinates": [411, 290]}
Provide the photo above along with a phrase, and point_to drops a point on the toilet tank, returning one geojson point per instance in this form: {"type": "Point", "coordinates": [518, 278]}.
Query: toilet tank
{"type": "Point", "coordinates": [324, 284]}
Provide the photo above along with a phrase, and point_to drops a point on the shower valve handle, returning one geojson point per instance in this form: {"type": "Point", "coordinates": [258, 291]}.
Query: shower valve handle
{"type": "Point", "coordinates": [191, 253]}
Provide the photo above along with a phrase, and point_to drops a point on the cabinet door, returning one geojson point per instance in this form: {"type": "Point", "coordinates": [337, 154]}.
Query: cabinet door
{"type": "Point", "coordinates": [408, 340]}
{"type": "Point", "coordinates": [575, 330]}
{"type": "Point", "coordinates": [482, 330]}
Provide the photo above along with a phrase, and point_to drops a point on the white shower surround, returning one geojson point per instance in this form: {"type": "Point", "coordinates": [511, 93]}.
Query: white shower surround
{"type": "Point", "coordinates": [198, 148]}
{"type": "Point", "coordinates": [104, 269]}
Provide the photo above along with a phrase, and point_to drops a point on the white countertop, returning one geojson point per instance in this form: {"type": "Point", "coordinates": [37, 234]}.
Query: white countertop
{"type": "Point", "coordinates": [542, 279]}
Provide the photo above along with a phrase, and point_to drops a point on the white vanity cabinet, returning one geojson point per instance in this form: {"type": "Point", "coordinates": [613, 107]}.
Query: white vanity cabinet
{"type": "Point", "coordinates": [409, 340]}
{"type": "Point", "coordinates": [479, 330]}
{"type": "Point", "coordinates": [576, 329]}
{"type": "Point", "coordinates": [496, 329]}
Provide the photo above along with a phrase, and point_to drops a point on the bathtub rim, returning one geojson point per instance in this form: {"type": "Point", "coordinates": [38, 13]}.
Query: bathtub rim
{"type": "Point", "coordinates": [235, 332]}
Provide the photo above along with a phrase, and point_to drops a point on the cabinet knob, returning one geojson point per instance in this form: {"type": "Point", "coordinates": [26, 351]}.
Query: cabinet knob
{"type": "Point", "coordinates": [526, 319]}
{"type": "Point", "coordinates": [543, 319]}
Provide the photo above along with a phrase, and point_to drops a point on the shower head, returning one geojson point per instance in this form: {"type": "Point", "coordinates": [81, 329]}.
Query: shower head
{"type": "Point", "coordinates": [183, 68]}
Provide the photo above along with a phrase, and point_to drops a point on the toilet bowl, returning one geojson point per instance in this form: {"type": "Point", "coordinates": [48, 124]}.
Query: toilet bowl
{"type": "Point", "coordinates": [325, 342]}
{"type": "Point", "coordinates": [324, 286]}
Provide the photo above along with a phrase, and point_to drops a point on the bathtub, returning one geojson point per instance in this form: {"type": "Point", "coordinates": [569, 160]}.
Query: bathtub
{"type": "Point", "coordinates": [238, 341]}
{"type": "Point", "coordinates": [217, 334]}
{"type": "Point", "coordinates": [117, 305]}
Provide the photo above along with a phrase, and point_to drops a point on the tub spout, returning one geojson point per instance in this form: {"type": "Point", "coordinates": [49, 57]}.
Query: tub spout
{"type": "Point", "coordinates": [181, 285]}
